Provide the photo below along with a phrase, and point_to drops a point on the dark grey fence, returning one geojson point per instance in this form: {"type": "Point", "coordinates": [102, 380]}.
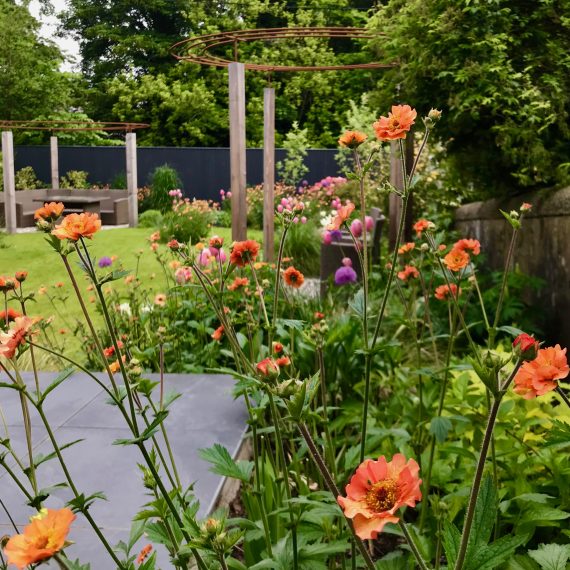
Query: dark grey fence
{"type": "Point", "coordinates": [203, 171]}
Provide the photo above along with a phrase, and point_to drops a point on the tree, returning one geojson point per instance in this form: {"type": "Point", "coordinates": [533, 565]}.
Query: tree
{"type": "Point", "coordinates": [126, 60]}
{"type": "Point", "coordinates": [30, 82]}
{"type": "Point", "coordinates": [501, 73]}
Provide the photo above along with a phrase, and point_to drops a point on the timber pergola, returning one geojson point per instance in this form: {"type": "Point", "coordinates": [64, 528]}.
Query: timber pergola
{"type": "Point", "coordinates": [7, 126]}
{"type": "Point", "coordinates": [199, 50]}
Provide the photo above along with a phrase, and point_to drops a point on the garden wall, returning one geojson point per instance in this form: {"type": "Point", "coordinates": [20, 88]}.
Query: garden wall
{"type": "Point", "coordinates": [204, 171]}
{"type": "Point", "coordinates": [543, 248]}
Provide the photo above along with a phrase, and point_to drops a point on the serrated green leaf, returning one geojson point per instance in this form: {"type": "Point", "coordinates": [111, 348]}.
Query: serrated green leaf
{"type": "Point", "coordinates": [63, 376]}
{"type": "Point", "coordinates": [451, 540]}
{"type": "Point", "coordinates": [223, 463]}
{"type": "Point", "coordinates": [492, 556]}
{"type": "Point", "coordinates": [439, 427]}
{"type": "Point", "coordinates": [551, 556]}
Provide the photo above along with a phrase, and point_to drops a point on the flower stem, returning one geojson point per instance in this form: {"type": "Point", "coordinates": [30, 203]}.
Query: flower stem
{"type": "Point", "coordinates": [331, 486]}
{"type": "Point", "coordinates": [413, 546]}
{"type": "Point", "coordinates": [282, 460]}
{"type": "Point", "coordinates": [480, 468]}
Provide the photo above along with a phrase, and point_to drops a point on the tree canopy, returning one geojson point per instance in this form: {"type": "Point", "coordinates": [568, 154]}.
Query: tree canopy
{"type": "Point", "coordinates": [500, 70]}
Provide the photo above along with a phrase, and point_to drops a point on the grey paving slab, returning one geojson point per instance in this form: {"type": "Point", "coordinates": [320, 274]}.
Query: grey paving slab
{"type": "Point", "coordinates": [205, 414]}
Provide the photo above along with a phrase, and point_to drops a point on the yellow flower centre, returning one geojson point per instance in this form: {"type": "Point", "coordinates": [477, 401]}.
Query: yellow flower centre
{"type": "Point", "coordinates": [382, 496]}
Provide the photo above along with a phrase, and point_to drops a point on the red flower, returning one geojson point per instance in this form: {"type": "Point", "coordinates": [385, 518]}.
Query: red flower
{"type": "Point", "coordinates": [377, 490]}
{"type": "Point", "coordinates": [216, 242]}
{"type": "Point", "coordinates": [174, 245]}
{"type": "Point", "coordinates": [319, 316]}
{"type": "Point", "coordinates": [268, 368]}
{"type": "Point", "coordinates": [443, 292]}
{"type": "Point", "coordinates": [471, 245]}
{"type": "Point", "coordinates": [293, 277]}
{"type": "Point", "coordinates": [526, 346]}
{"type": "Point", "coordinates": [238, 282]}
{"type": "Point", "coordinates": [283, 361]}
{"type": "Point", "coordinates": [144, 553]}
{"type": "Point", "coordinates": [21, 276]}
{"type": "Point", "coordinates": [396, 124]}
{"type": "Point", "coordinates": [218, 333]}
{"type": "Point", "coordinates": [540, 375]}
{"type": "Point", "coordinates": [277, 348]}
{"type": "Point", "coordinates": [421, 226]}
{"type": "Point", "coordinates": [409, 272]}
{"type": "Point", "coordinates": [244, 252]}
{"type": "Point", "coordinates": [407, 247]}
{"type": "Point", "coordinates": [12, 315]}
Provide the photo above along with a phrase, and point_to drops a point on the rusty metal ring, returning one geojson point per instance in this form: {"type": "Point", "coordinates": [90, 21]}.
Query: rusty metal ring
{"type": "Point", "coordinates": [197, 49]}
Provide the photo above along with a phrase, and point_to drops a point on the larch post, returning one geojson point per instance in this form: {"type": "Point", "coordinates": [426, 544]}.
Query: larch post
{"type": "Point", "coordinates": [132, 182]}
{"type": "Point", "coordinates": [397, 180]}
{"type": "Point", "coordinates": [54, 159]}
{"type": "Point", "coordinates": [237, 150]}
{"type": "Point", "coordinates": [268, 173]}
{"type": "Point", "coordinates": [9, 182]}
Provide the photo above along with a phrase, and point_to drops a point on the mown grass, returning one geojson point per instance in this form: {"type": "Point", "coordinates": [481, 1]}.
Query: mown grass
{"type": "Point", "coordinates": [30, 252]}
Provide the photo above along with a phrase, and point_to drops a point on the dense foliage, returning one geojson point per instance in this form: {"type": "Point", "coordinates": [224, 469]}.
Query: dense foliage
{"type": "Point", "coordinates": [501, 72]}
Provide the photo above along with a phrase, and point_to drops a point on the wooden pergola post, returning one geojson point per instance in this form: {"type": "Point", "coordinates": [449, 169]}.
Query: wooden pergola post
{"type": "Point", "coordinates": [237, 150]}
{"type": "Point", "coordinates": [9, 182]}
{"type": "Point", "coordinates": [132, 181]}
{"type": "Point", "coordinates": [397, 180]}
{"type": "Point", "coordinates": [268, 173]}
{"type": "Point", "coordinates": [54, 160]}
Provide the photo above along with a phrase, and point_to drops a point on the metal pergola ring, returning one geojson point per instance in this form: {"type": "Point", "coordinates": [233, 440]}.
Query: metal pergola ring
{"type": "Point", "coordinates": [197, 49]}
{"type": "Point", "coordinates": [71, 126]}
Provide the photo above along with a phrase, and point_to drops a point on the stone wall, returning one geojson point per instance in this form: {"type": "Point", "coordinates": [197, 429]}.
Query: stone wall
{"type": "Point", "coordinates": [543, 248]}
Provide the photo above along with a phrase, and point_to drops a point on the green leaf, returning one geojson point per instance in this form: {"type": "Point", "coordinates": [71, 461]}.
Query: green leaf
{"type": "Point", "coordinates": [81, 503]}
{"type": "Point", "coordinates": [223, 464]}
{"type": "Point", "coordinates": [551, 556]}
{"type": "Point", "coordinates": [40, 458]}
{"type": "Point", "coordinates": [147, 433]}
{"type": "Point", "coordinates": [439, 427]}
{"type": "Point", "coordinates": [61, 378]}
{"type": "Point", "coordinates": [490, 557]}
{"type": "Point", "coordinates": [559, 434]}
{"type": "Point", "coordinates": [484, 519]}
{"type": "Point", "coordinates": [451, 539]}
{"type": "Point", "coordinates": [74, 564]}
{"type": "Point", "coordinates": [513, 331]}
{"type": "Point", "coordinates": [519, 562]}
{"type": "Point", "coordinates": [357, 303]}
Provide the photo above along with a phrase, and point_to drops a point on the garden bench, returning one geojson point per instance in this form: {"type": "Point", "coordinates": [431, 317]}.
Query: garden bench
{"type": "Point", "coordinates": [332, 254]}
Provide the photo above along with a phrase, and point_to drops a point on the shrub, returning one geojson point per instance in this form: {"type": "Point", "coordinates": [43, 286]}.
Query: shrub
{"type": "Point", "coordinates": [189, 221]}
{"type": "Point", "coordinates": [26, 179]}
{"type": "Point", "coordinates": [293, 168]}
{"type": "Point", "coordinates": [150, 219]}
{"type": "Point", "coordinates": [119, 181]}
{"type": "Point", "coordinates": [75, 179]}
{"type": "Point", "coordinates": [163, 179]}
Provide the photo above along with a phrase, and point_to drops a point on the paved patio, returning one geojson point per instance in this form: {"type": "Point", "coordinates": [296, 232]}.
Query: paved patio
{"type": "Point", "coordinates": [205, 414]}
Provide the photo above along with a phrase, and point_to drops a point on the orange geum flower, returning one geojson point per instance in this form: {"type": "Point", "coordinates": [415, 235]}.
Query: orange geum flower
{"type": "Point", "coordinates": [12, 315]}
{"type": "Point", "coordinates": [49, 212]}
{"type": "Point", "coordinates": [237, 283]}
{"type": "Point", "coordinates": [443, 292]}
{"type": "Point", "coordinates": [293, 277]}
{"type": "Point", "coordinates": [75, 226]}
{"type": "Point", "coordinates": [456, 259]}
{"type": "Point", "coordinates": [541, 375]}
{"type": "Point", "coordinates": [21, 276]}
{"type": "Point", "coordinates": [160, 299]}
{"type": "Point", "coordinates": [16, 335]}
{"type": "Point", "coordinates": [7, 284]}
{"type": "Point", "coordinates": [471, 245]}
{"type": "Point", "coordinates": [283, 361]}
{"type": "Point", "coordinates": [218, 333]}
{"type": "Point", "coordinates": [352, 139]}
{"type": "Point", "coordinates": [114, 367]}
{"type": "Point", "coordinates": [268, 368]}
{"type": "Point", "coordinates": [377, 490]}
{"type": "Point", "coordinates": [421, 226]}
{"type": "Point", "coordinates": [143, 554]}
{"type": "Point", "coordinates": [244, 252]}
{"type": "Point", "coordinates": [396, 124]}
{"type": "Point", "coordinates": [409, 272]}
{"type": "Point", "coordinates": [342, 214]}
{"type": "Point", "coordinates": [407, 247]}
{"type": "Point", "coordinates": [41, 539]}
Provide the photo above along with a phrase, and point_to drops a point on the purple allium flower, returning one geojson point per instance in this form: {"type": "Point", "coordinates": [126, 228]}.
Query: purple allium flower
{"type": "Point", "coordinates": [105, 262]}
{"type": "Point", "coordinates": [336, 235]}
{"type": "Point", "coordinates": [345, 275]}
